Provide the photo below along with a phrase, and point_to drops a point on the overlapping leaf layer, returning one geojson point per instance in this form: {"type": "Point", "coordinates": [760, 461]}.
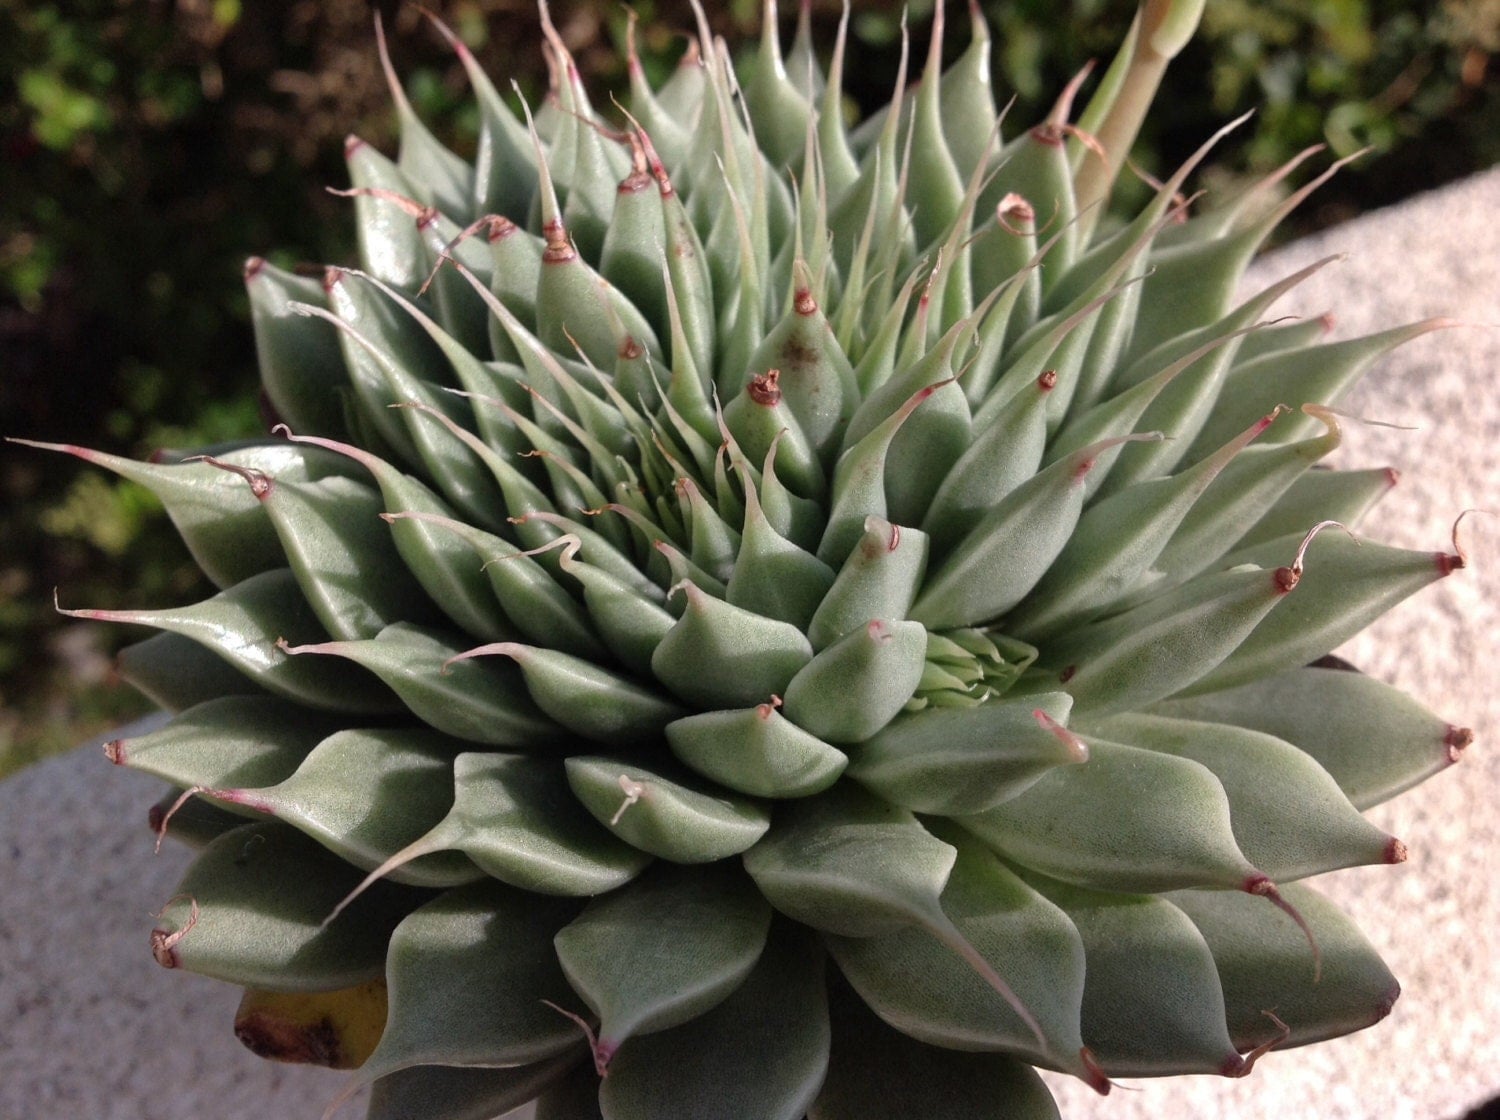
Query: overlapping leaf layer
{"type": "Point", "coordinates": [755, 619]}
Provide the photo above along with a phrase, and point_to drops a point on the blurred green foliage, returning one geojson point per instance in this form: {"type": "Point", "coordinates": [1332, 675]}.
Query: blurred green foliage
{"type": "Point", "coordinates": [147, 147]}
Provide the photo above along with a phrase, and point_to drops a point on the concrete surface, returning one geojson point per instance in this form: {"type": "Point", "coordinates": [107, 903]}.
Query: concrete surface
{"type": "Point", "coordinates": [91, 1028]}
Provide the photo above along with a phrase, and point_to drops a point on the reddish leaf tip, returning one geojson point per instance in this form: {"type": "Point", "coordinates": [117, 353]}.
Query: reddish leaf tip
{"type": "Point", "coordinates": [1014, 207]}
{"type": "Point", "coordinates": [1288, 578]}
{"type": "Point", "coordinates": [1396, 851]}
{"type": "Point", "coordinates": [634, 183]}
{"type": "Point", "coordinates": [164, 942]}
{"type": "Point", "coordinates": [559, 248]}
{"type": "Point", "coordinates": [1460, 557]}
{"type": "Point", "coordinates": [253, 267]}
{"type": "Point", "coordinates": [765, 388]}
{"type": "Point", "coordinates": [114, 750]}
{"type": "Point", "coordinates": [162, 949]}
{"type": "Point", "coordinates": [1097, 1079]}
{"type": "Point", "coordinates": [1457, 740]}
{"type": "Point", "coordinates": [1387, 1003]}
{"type": "Point", "coordinates": [1234, 1066]}
{"type": "Point", "coordinates": [498, 227]}
{"type": "Point", "coordinates": [1077, 749]}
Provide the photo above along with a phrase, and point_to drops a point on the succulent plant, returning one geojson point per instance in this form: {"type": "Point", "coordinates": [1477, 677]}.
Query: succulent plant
{"type": "Point", "coordinates": [753, 618]}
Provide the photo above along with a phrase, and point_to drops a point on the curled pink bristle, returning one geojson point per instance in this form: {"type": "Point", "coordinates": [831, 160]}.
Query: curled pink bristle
{"type": "Point", "coordinates": [163, 943]}
{"type": "Point", "coordinates": [1051, 131]}
{"type": "Point", "coordinates": [1456, 741]}
{"type": "Point", "coordinates": [765, 710]}
{"type": "Point", "coordinates": [1246, 1063]}
{"type": "Point", "coordinates": [260, 482]}
{"type": "Point", "coordinates": [1014, 207]}
{"type": "Point", "coordinates": [602, 1054]}
{"type": "Point", "coordinates": [1288, 578]}
{"type": "Point", "coordinates": [410, 206]}
{"type": "Point", "coordinates": [1097, 1079]}
{"type": "Point", "coordinates": [1262, 887]}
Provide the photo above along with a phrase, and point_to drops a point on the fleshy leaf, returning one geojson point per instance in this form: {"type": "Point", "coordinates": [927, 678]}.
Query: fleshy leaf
{"type": "Point", "coordinates": [517, 820]}
{"type": "Point", "coordinates": [847, 863]}
{"type": "Point", "coordinates": [227, 742]}
{"type": "Point", "coordinates": [852, 689]}
{"type": "Point", "coordinates": [478, 702]}
{"type": "Point", "coordinates": [1373, 739]}
{"type": "Point", "coordinates": [173, 673]}
{"type": "Point", "coordinates": [964, 760]}
{"type": "Point", "coordinates": [721, 656]}
{"type": "Point", "coordinates": [668, 816]}
{"type": "Point", "coordinates": [759, 1055]}
{"type": "Point", "coordinates": [366, 794]}
{"type": "Point", "coordinates": [462, 1092]}
{"type": "Point", "coordinates": [1127, 820]}
{"type": "Point", "coordinates": [1264, 964]}
{"type": "Point", "coordinates": [334, 541]}
{"type": "Point", "coordinates": [1289, 816]}
{"type": "Point", "coordinates": [1348, 584]}
{"type": "Point", "coordinates": [248, 624]}
{"type": "Point", "coordinates": [875, 1073]}
{"type": "Point", "coordinates": [1153, 650]}
{"type": "Point", "coordinates": [756, 751]}
{"type": "Point", "coordinates": [1151, 1000]}
{"type": "Point", "coordinates": [469, 976]}
{"type": "Point", "coordinates": [663, 949]}
{"type": "Point", "coordinates": [1008, 550]}
{"type": "Point", "coordinates": [250, 910]}
{"type": "Point", "coordinates": [589, 700]}
{"type": "Point", "coordinates": [218, 517]}
{"type": "Point", "coordinates": [879, 579]}
{"type": "Point", "coordinates": [300, 365]}
{"type": "Point", "coordinates": [923, 990]}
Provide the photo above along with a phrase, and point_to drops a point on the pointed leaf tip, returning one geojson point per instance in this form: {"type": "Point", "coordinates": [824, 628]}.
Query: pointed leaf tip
{"type": "Point", "coordinates": [1078, 750]}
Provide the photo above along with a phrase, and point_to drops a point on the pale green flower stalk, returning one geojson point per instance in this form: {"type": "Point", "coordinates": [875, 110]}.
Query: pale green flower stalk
{"type": "Point", "coordinates": [745, 618]}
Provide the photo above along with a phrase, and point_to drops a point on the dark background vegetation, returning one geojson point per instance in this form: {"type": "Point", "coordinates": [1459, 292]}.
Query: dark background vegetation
{"type": "Point", "coordinates": [148, 146]}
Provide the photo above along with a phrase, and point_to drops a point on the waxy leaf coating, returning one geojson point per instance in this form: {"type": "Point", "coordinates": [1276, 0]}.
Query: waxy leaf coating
{"type": "Point", "coordinates": [743, 616]}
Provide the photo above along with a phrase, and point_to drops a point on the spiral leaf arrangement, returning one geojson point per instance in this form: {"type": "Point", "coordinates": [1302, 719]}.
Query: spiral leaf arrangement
{"type": "Point", "coordinates": [752, 618]}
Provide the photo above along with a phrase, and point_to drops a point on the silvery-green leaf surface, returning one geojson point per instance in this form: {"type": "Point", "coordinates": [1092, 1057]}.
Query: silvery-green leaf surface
{"type": "Point", "coordinates": [714, 520]}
